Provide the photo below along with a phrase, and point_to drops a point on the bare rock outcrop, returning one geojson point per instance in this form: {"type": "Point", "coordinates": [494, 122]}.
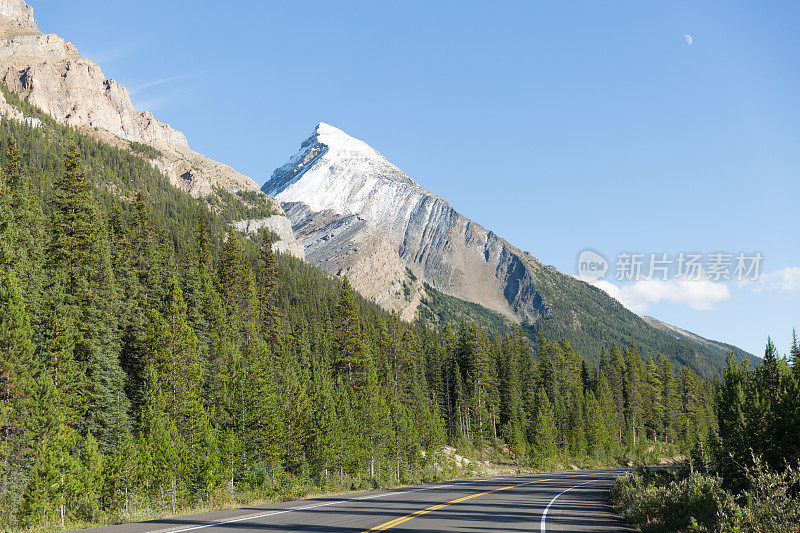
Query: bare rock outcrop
{"type": "Point", "coordinates": [345, 245]}
{"type": "Point", "coordinates": [334, 174]}
{"type": "Point", "coordinates": [49, 72]}
{"type": "Point", "coordinates": [280, 226]}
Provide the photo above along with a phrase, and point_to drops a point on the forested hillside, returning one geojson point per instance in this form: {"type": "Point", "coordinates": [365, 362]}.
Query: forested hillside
{"type": "Point", "coordinates": [601, 317]}
{"type": "Point", "coordinates": [150, 359]}
{"type": "Point", "coordinates": [746, 477]}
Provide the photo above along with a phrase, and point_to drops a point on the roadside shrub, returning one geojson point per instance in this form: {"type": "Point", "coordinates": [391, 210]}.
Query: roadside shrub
{"type": "Point", "coordinates": [771, 504]}
{"type": "Point", "coordinates": [661, 501]}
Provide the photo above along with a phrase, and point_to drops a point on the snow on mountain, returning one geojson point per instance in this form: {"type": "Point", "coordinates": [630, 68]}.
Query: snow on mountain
{"type": "Point", "coordinates": [357, 214]}
{"type": "Point", "coordinates": [336, 172]}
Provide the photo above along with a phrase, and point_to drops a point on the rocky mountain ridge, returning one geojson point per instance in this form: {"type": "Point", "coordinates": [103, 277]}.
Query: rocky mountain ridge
{"type": "Point", "coordinates": [50, 73]}
{"type": "Point", "coordinates": [335, 172]}
{"type": "Point", "coordinates": [356, 213]}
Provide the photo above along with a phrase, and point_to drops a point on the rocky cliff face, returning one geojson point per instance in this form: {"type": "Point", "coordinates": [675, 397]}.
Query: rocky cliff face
{"type": "Point", "coordinates": [357, 214]}
{"type": "Point", "coordinates": [280, 226]}
{"type": "Point", "coordinates": [335, 174]}
{"type": "Point", "coordinates": [49, 72]}
{"type": "Point", "coordinates": [346, 245]}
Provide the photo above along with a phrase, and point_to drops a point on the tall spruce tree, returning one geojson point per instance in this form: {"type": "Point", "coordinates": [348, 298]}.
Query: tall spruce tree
{"type": "Point", "coordinates": [351, 359]}
{"type": "Point", "coordinates": [17, 371]}
{"type": "Point", "coordinates": [21, 227]}
{"type": "Point", "coordinates": [270, 315]}
{"type": "Point", "coordinates": [544, 437]}
{"type": "Point", "coordinates": [79, 259]}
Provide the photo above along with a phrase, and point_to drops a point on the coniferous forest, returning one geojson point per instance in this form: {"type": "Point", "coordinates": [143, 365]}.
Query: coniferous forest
{"type": "Point", "coordinates": [152, 360]}
{"type": "Point", "coordinates": [745, 476]}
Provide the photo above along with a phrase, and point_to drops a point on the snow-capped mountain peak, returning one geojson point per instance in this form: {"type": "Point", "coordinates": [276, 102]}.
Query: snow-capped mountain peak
{"type": "Point", "coordinates": [336, 139]}
{"type": "Point", "coordinates": [335, 171]}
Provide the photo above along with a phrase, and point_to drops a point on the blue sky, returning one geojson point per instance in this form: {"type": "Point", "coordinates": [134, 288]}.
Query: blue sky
{"type": "Point", "coordinates": [560, 126]}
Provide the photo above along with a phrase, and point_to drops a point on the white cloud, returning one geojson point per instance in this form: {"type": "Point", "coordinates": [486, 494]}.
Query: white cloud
{"type": "Point", "coordinates": [784, 281]}
{"type": "Point", "coordinates": [639, 296]}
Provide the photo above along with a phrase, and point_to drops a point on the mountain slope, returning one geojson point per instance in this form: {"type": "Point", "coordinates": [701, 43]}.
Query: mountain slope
{"type": "Point", "coordinates": [335, 172]}
{"type": "Point", "coordinates": [334, 176]}
{"type": "Point", "coordinates": [681, 334]}
{"type": "Point", "coordinates": [47, 72]}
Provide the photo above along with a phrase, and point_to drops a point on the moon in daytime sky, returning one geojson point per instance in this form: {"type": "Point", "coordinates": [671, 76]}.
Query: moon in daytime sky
{"type": "Point", "coordinates": [687, 38]}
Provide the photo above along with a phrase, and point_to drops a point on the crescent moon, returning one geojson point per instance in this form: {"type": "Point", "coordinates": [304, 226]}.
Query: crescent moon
{"type": "Point", "coordinates": [688, 39]}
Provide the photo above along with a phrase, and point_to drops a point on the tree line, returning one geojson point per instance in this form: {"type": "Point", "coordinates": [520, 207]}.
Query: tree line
{"type": "Point", "coordinates": [743, 477]}
{"type": "Point", "coordinates": [759, 417]}
{"type": "Point", "coordinates": [153, 361]}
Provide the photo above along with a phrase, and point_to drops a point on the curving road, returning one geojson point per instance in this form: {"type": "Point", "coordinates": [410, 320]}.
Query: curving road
{"type": "Point", "coordinates": [557, 501]}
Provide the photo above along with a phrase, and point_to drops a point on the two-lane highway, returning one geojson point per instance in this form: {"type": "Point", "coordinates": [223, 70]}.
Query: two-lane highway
{"type": "Point", "coordinates": [558, 501]}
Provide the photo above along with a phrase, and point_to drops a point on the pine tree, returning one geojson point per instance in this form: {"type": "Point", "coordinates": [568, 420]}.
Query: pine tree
{"type": "Point", "coordinates": [17, 369]}
{"type": "Point", "coordinates": [794, 355]}
{"type": "Point", "coordinates": [732, 413]}
{"type": "Point", "coordinates": [147, 254]}
{"type": "Point", "coordinates": [21, 227]}
{"type": "Point", "coordinates": [350, 355]}
{"type": "Point", "coordinates": [614, 373]}
{"type": "Point", "coordinates": [90, 479]}
{"type": "Point", "coordinates": [266, 435]}
{"type": "Point", "coordinates": [174, 356]}
{"type": "Point", "coordinates": [131, 312]}
{"type": "Point", "coordinates": [54, 489]}
{"type": "Point", "coordinates": [79, 258]}
{"type": "Point", "coordinates": [161, 446]}
{"type": "Point", "coordinates": [668, 395]}
{"type": "Point", "coordinates": [7, 239]}
{"type": "Point", "coordinates": [688, 400]}
{"type": "Point", "coordinates": [632, 393]}
{"type": "Point", "coordinates": [769, 374]}
{"type": "Point", "coordinates": [239, 292]}
{"type": "Point", "coordinates": [119, 475]}
{"type": "Point", "coordinates": [328, 429]}
{"type": "Point", "coordinates": [544, 437]}
{"type": "Point", "coordinates": [653, 400]}
{"type": "Point", "coordinates": [270, 315]}
{"type": "Point", "coordinates": [57, 356]}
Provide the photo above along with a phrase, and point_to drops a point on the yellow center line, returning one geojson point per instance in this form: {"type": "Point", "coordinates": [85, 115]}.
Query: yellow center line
{"type": "Point", "coordinates": [397, 521]}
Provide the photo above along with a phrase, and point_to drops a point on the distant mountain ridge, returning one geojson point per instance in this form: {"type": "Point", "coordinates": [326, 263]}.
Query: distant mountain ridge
{"type": "Point", "coordinates": [336, 181]}
{"type": "Point", "coordinates": [679, 333]}
{"type": "Point", "coordinates": [350, 211]}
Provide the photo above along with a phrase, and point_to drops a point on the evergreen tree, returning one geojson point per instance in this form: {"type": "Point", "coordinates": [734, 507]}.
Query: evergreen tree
{"type": "Point", "coordinates": [54, 487]}
{"type": "Point", "coordinates": [544, 437]}
{"type": "Point", "coordinates": [79, 258]}
{"type": "Point", "coordinates": [270, 315]}
{"type": "Point", "coordinates": [350, 355]}
{"type": "Point", "coordinates": [21, 227]}
{"type": "Point", "coordinates": [162, 451]}
{"type": "Point", "coordinates": [632, 392]}
{"type": "Point", "coordinates": [17, 368]}
{"type": "Point", "coordinates": [654, 400]}
{"type": "Point", "coordinates": [794, 355]}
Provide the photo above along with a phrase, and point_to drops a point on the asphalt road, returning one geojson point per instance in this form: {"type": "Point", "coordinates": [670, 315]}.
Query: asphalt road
{"type": "Point", "coordinates": [558, 501]}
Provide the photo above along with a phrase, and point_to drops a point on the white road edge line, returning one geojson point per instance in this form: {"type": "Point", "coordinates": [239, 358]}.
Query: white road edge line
{"type": "Point", "coordinates": [325, 504]}
{"type": "Point", "coordinates": [542, 526]}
